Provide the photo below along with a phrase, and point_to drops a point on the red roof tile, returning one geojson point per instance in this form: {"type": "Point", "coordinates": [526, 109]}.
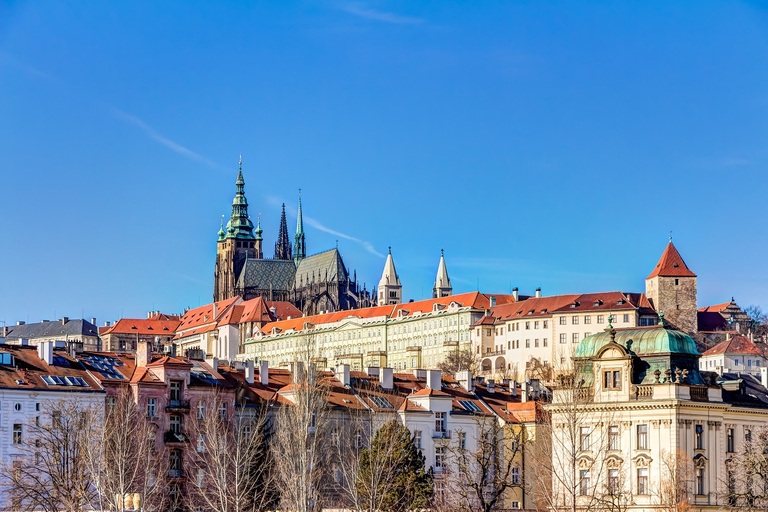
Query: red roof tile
{"type": "Point", "coordinates": [715, 309]}
{"type": "Point", "coordinates": [283, 309]}
{"type": "Point", "coordinates": [671, 264]}
{"type": "Point", "coordinates": [150, 327]}
{"type": "Point", "coordinates": [736, 345]}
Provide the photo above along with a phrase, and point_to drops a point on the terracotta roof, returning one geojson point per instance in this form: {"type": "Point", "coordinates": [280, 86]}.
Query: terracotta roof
{"type": "Point", "coordinates": [671, 264]}
{"type": "Point", "coordinates": [283, 309]}
{"type": "Point", "coordinates": [149, 327]}
{"type": "Point", "coordinates": [204, 314]}
{"type": "Point", "coordinates": [475, 300]}
{"type": "Point", "coordinates": [533, 306]}
{"type": "Point", "coordinates": [297, 324]}
{"type": "Point", "coordinates": [430, 392]}
{"type": "Point", "coordinates": [28, 371]}
{"type": "Point", "coordinates": [736, 345]}
{"type": "Point", "coordinates": [169, 361]}
{"type": "Point", "coordinates": [717, 308]}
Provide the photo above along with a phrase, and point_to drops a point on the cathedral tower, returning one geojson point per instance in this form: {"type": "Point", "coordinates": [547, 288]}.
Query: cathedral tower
{"type": "Point", "coordinates": [236, 244]}
{"type": "Point", "coordinates": [442, 287]}
{"type": "Point", "coordinates": [390, 290]}
{"type": "Point", "coordinates": [283, 244]}
{"type": "Point", "coordinates": [671, 288]}
{"type": "Point", "coordinates": [299, 249]}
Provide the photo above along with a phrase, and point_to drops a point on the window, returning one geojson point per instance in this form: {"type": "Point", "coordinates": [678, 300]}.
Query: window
{"type": "Point", "coordinates": [527, 325]}
{"type": "Point", "coordinates": [200, 443]}
{"type": "Point", "coordinates": [626, 319]}
{"type": "Point", "coordinates": [111, 402]}
{"type": "Point", "coordinates": [700, 480]}
{"type": "Point", "coordinates": [439, 422]}
{"type": "Point", "coordinates": [515, 475]}
{"type": "Point", "coordinates": [747, 435]}
{"type": "Point", "coordinates": [584, 484]}
{"type": "Point", "coordinates": [536, 343]}
{"type": "Point", "coordinates": [17, 407]}
{"type": "Point", "coordinates": [642, 437]}
{"type": "Point", "coordinates": [575, 320]}
{"type": "Point", "coordinates": [417, 439]}
{"type": "Point", "coordinates": [563, 338]}
{"type": "Point", "coordinates": [175, 391]}
{"type": "Point", "coordinates": [575, 337]}
{"type": "Point", "coordinates": [642, 481]}
{"type": "Point", "coordinates": [201, 409]}
{"type": "Point", "coordinates": [584, 439]}
{"type": "Point", "coordinates": [17, 433]}
{"type": "Point", "coordinates": [562, 320]}
{"type": "Point", "coordinates": [527, 343]}
{"type": "Point", "coordinates": [544, 342]}
{"type": "Point", "coordinates": [223, 411]}
{"type": "Point", "coordinates": [462, 440]}
{"type": "Point", "coordinates": [536, 324]}
{"type": "Point", "coordinates": [176, 423]}
{"type": "Point", "coordinates": [600, 319]}
{"type": "Point", "coordinates": [439, 458]}
{"type": "Point", "coordinates": [37, 406]}
{"type": "Point", "coordinates": [587, 319]}
{"type": "Point", "coordinates": [544, 324]}
{"type": "Point", "coordinates": [677, 282]}
{"type": "Point", "coordinates": [174, 463]}
{"type": "Point", "coordinates": [200, 477]}
{"type": "Point", "coordinates": [612, 379]}
{"type": "Point", "coordinates": [151, 407]}
{"type": "Point", "coordinates": [613, 481]}
{"type": "Point", "coordinates": [729, 440]}
{"type": "Point", "coordinates": [614, 440]}
{"type": "Point", "coordinates": [699, 435]}
{"type": "Point", "coordinates": [515, 504]}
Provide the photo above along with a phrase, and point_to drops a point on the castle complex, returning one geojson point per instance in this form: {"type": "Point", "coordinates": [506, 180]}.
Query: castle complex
{"type": "Point", "coordinates": [314, 284]}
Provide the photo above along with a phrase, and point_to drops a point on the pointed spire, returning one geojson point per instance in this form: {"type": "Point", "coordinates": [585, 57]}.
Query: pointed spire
{"type": "Point", "coordinates": [222, 233]}
{"type": "Point", "coordinates": [258, 229]}
{"type": "Point", "coordinates": [442, 287]}
{"type": "Point", "coordinates": [283, 244]}
{"type": "Point", "coordinates": [389, 275]}
{"type": "Point", "coordinates": [299, 249]}
{"type": "Point", "coordinates": [671, 264]}
{"type": "Point", "coordinates": [240, 225]}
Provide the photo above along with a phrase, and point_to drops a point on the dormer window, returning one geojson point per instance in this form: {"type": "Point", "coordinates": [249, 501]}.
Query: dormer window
{"type": "Point", "coordinates": [612, 380]}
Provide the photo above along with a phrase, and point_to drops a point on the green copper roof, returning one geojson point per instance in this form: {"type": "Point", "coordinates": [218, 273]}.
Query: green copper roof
{"type": "Point", "coordinates": [641, 342]}
{"type": "Point", "coordinates": [222, 233]}
{"type": "Point", "coordinates": [258, 230]}
{"type": "Point", "coordinates": [239, 225]}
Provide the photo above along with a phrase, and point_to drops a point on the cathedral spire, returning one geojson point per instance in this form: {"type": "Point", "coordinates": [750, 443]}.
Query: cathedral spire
{"type": "Point", "coordinates": [390, 289]}
{"type": "Point", "coordinates": [299, 249]}
{"type": "Point", "coordinates": [442, 287]}
{"type": "Point", "coordinates": [239, 225]}
{"type": "Point", "coordinates": [283, 244]}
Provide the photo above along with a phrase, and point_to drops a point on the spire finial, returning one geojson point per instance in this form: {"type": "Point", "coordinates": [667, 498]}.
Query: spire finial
{"type": "Point", "coordinates": [390, 249]}
{"type": "Point", "coordinates": [240, 163]}
{"type": "Point", "coordinates": [442, 252]}
{"type": "Point", "coordinates": [670, 236]}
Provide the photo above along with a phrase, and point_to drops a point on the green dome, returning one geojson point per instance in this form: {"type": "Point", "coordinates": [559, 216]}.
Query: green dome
{"type": "Point", "coordinates": [641, 342]}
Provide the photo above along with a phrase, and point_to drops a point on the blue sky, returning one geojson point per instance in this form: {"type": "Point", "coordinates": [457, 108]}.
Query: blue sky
{"type": "Point", "coordinates": [550, 144]}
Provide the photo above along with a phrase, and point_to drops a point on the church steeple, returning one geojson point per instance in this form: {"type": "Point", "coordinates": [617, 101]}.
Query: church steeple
{"type": "Point", "coordinates": [390, 290]}
{"type": "Point", "coordinates": [283, 244]}
{"type": "Point", "coordinates": [259, 239]}
{"type": "Point", "coordinates": [239, 225]}
{"type": "Point", "coordinates": [299, 249]}
{"type": "Point", "coordinates": [442, 287]}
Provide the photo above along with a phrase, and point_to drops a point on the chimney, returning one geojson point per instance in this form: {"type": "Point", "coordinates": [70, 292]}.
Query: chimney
{"type": "Point", "coordinates": [764, 376]}
{"type": "Point", "coordinates": [524, 391]}
{"type": "Point", "coordinates": [491, 386]}
{"type": "Point", "coordinates": [45, 352]}
{"type": "Point", "coordinates": [342, 373]}
{"type": "Point", "coordinates": [493, 301]}
{"type": "Point", "coordinates": [372, 371]}
{"type": "Point", "coordinates": [514, 293]}
{"type": "Point", "coordinates": [538, 292]}
{"type": "Point", "coordinates": [93, 320]}
{"type": "Point", "coordinates": [20, 322]}
{"type": "Point", "coordinates": [433, 379]}
{"type": "Point", "coordinates": [464, 378]}
{"type": "Point", "coordinates": [143, 354]}
{"type": "Point", "coordinates": [513, 387]}
{"type": "Point", "coordinates": [264, 372]}
{"type": "Point", "coordinates": [215, 364]}
{"type": "Point", "coordinates": [215, 310]}
{"type": "Point", "coordinates": [249, 371]}
{"type": "Point", "coordinates": [106, 324]}
{"type": "Point", "coordinates": [64, 320]}
{"type": "Point", "coordinates": [386, 379]}
{"type": "Point", "coordinates": [297, 371]}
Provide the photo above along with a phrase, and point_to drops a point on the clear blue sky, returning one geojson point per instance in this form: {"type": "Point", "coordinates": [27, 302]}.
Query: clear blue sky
{"type": "Point", "coordinates": [550, 144]}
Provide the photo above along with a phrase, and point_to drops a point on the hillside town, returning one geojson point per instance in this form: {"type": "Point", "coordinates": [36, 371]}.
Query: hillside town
{"type": "Point", "coordinates": [297, 388]}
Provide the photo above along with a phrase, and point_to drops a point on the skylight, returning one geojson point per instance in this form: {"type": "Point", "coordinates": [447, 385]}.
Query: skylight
{"type": "Point", "coordinates": [381, 402]}
{"type": "Point", "coordinates": [469, 405]}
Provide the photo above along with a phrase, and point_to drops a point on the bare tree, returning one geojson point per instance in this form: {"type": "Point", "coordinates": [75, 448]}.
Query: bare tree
{"type": "Point", "coordinates": [121, 458]}
{"type": "Point", "coordinates": [299, 448]}
{"type": "Point", "coordinates": [746, 486]}
{"type": "Point", "coordinates": [673, 492]}
{"type": "Point", "coordinates": [484, 467]}
{"type": "Point", "coordinates": [459, 360]}
{"type": "Point", "coordinates": [229, 459]}
{"type": "Point", "coordinates": [53, 474]}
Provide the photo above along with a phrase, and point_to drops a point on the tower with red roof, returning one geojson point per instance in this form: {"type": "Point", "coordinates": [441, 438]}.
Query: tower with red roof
{"type": "Point", "coordinates": [671, 288]}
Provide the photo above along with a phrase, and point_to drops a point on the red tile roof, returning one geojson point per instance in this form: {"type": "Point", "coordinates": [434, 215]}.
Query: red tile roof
{"type": "Point", "coordinates": [150, 327]}
{"type": "Point", "coordinates": [29, 369]}
{"type": "Point", "coordinates": [717, 308]}
{"type": "Point", "coordinates": [283, 309]}
{"type": "Point", "coordinates": [736, 345]}
{"type": "Point", "coordinates": [671, 264]}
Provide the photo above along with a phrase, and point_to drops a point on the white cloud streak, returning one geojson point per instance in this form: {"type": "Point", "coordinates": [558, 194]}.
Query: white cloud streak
{"type": "Point", "coordinates": [373, 14]}
{"type": "Point", "coordinates": [368, 246]}
{"type": "Point", "coordinates": [178, 148]}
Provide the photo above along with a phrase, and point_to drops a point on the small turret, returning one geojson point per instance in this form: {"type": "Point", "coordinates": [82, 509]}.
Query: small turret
{"type": "Point", "coordinates": [390, 290]}
{"type": "Point", "coordinates": [442, 287]}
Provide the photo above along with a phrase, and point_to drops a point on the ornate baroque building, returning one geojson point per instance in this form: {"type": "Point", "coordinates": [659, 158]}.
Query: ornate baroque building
{"type": "Point", "coordinates": [314, 284]}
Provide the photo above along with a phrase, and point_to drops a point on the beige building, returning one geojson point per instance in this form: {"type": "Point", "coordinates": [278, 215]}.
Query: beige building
{"type": "Point", "coordinates": [642, 428]}
{"type": "Point", "coordinates": [403, 336]}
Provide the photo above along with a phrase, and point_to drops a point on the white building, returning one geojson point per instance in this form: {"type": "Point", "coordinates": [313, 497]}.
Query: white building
{"type": "Point", "coordinates": [737, 354]}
